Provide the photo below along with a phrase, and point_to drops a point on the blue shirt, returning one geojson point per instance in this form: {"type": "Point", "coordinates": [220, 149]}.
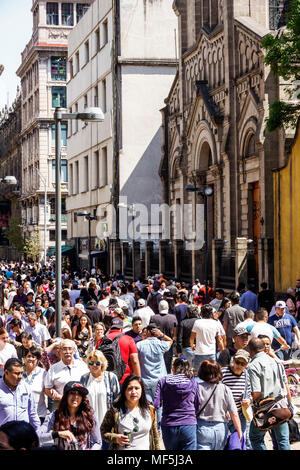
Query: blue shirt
{"type": "Point", "coordinates": [249, 301]}
{"type": "Point", "coordinates": [151, 356]}
{"type": "Point", "coordinates": [18, 405]}
{"type": "Point", "coordinates": [284, 325]}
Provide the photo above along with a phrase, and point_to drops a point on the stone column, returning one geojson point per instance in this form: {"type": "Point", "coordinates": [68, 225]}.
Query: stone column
{"type": "Point", "coordinates": [137, 259]}
{"type": "Point", "coordinates": [162, 257]}
{"type": "Point", "coordinates": [115, 252]}
{"type": "Point", "coordinates": [178, 245]}
{"type": "Point", "coordinates": [241, 246]}
{"type": "Point", "coordinates": [148, 252]}
{"type": "Point", "coordinates": [124, 246]}
{"type": "Point", "coordinates": [218, 246]}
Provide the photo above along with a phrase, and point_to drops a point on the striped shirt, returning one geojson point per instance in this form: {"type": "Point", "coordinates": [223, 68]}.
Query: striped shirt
{"type": "Point", "coordinates": [236, 383]}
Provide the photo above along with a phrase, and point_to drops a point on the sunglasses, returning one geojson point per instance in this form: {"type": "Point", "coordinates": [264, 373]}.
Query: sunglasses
{"type": "Point", "coordinates": [97, 363]}
{"type": "Point", "coordinates": [136, 427]}
{"type": "Point", "coordinates": [240, 363]}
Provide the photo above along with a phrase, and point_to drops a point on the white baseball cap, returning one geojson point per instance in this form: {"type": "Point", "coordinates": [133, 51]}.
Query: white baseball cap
{"type": "Point", "coordinates": [80, 307]}
{"type": "Point", "coordinates": [141, 302]}
{"type": "Point", "coordinates": [280, 304]}
{"type": "Point", "coordinates": [163, 306]}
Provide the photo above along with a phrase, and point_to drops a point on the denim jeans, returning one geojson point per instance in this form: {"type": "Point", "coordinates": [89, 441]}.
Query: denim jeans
{"type": "Point", "coordinates": [150, 393]}
{"type": "Point", "coordinates": [180, 437]}
{"type": "Point", "coordinates": [283, 355]}
{"type": "Point", "coordinates": [198, 359]}
{"type": "Point", "coordinates": [168, 357]}
{"type": "Point", "coordinates": [281, 434]}
{"type": "Point", "coordinates": [245, 425]}
{"type": "Point", "coordinates": [189, 353]}
{"type": "Point", "coordinates": [211, 435]}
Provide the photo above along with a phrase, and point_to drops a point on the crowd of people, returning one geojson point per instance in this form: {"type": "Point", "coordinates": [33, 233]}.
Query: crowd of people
{"type": "Point", "coordinates": [146, 365]}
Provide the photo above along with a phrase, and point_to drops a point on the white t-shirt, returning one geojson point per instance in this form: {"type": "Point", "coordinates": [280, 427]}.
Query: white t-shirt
{"type": "Point", "coordinates": [140, 439]}
{"type": "Point", "coordinates": [6, 353]}
{"type": "Point", "coordinates": [263, 329]}
{"type": "Point", "coordinates": [206, 331]}
{"type": "Point", "coordinates": [145, 313]}
{"type": "Point", "coordinates": [97, 397]}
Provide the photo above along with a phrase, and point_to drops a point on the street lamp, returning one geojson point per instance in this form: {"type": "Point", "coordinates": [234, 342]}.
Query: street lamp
{"type": "Point", "coordinates": [45, 211]}
{"type": "Point", "coordinates": [131, 207]}
{"type": "Point", "coordinates": [205, 191]}
{"type": "Point", "coordinates": [89, 115]}
{"type": "Point", "coordinates": [88, 217]}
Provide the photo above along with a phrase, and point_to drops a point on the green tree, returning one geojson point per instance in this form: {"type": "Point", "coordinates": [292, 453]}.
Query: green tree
{"type": "Point", "coordinates": [32, 246]}
{"type": "Point", "coordinates": [14, 234]}
{"type": "Point", "coordinates": [283, 56]}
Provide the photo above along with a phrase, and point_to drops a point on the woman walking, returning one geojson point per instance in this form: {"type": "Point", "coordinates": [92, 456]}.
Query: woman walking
{"type": "Point", "coordinates": [130, 424]}
{"type": "Point", "coordinates": [216, 402]}
{"type": "Point", "coordinates": [178, 394]}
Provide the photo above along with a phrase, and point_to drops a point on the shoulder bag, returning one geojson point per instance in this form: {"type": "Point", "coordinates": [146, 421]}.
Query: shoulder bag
{"type": "Point", "coordinates": [198, 415]}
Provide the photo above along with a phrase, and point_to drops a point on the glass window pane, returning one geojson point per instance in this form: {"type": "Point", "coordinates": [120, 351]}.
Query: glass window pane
{"type": "Point", "coordinates": [64, 171]}
{"type": "Point", "coordinates": [58, 68]}
{"type": "Point", "coordinates": [81, 9]}
{"type": "Point", "coordinates": [67, 14]}
{"type": "Point", "coordinates": [52, 13]}
{"type": "Point", "coordinates": [59, 97]}
{"type": "Point", "coordinates": [64, 131]}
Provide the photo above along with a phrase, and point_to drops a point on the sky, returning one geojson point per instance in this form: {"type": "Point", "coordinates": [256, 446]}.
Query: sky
{"type": "Point", "coordinates": [15, 33]}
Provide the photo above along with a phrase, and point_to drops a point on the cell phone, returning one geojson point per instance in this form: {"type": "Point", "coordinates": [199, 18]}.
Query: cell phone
{"type": "Point", "coordinates": [128, 435]}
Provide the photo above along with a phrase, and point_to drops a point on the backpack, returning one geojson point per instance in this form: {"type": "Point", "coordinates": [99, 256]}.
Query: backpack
{"type": "Point", "coordinates": [111, 350]}
{"type": "Point", "coordinates": [154, 300]}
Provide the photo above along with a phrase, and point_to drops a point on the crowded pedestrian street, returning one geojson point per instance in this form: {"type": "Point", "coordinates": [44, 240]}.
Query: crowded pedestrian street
{"type": "Point", "coordinates": [154, 364]}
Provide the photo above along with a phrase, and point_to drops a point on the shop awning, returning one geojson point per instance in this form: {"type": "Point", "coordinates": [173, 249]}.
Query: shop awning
{"type": "Point", "coordinates": [64, 249]}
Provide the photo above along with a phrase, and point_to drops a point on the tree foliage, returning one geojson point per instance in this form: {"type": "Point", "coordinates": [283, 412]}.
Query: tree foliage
{"type": "Point", "coordinates": [283, 57]}
{"type": "Point", "coordinates": [14, 234]}
{"type": "Point", "coordinates": [33, 247]}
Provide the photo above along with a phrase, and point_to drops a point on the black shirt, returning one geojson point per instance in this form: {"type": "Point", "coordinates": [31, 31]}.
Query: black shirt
{"type": "Point", "coordinates": [184, 333]}
{"type": "Point", "coordinates": [165, 322]}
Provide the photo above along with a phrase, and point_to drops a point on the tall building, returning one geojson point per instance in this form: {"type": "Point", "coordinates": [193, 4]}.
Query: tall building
{"type": "Point", "coordinates": [122, 58]}
{"type": "Point", "coordinates": [44, 74]}
{"type": "Point", "coordinates": [10, 165]}
{"type": "Point", "coordinates": [215, 135]}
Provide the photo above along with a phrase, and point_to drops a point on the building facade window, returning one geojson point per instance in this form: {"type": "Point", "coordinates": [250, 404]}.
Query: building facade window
{"type": "Point", "coordinates": [67, 17]}
{"type": "Point", "coordinates": [96, 98]}
{"type": "Point", "coordinates": [59, 96]}
{"type": "Point", "coordinates": [64, 132]}
{"type": "Point", "coordinates": [58, 68]}
{"type": "Point", "coordinates": [104, 96]}
{"type": "Point", "coordinates": [103, 169]}
{"type": "Point", "coordinates": [52, 13]}
{"type": "Point", "coordinates": [81, 9]}
{"type": "Point", "coordinates": [64, 171]}
{"type": "Point", "coordinates": [105, 32]}
{"type": "Point", "coordinates": [97, 40]}
{"type": "Point", "coordinates": [77, 62]}
{"type": "Point", "coordinates": [86, 52]}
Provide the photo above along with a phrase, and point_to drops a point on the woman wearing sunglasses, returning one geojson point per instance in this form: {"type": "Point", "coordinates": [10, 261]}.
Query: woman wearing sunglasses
{"type": "Point", "coordinates": [103, 386]}
{"type": "Point", "coordinates": [130, 424]}
{"type": "Point", "coordinates": [236, 378]}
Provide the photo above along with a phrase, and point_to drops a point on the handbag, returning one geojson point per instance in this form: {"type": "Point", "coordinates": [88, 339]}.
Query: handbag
{"type": "Point", "coordinates": [271, 412]}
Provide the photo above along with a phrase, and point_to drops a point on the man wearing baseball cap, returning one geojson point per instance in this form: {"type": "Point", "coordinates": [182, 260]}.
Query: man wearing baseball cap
{"type": "Point", "coordinates": [144, 312]}
{"type": "Point", "coordinates": [286, 325]}
{"type": "Point", "coordinates": [240, 341]}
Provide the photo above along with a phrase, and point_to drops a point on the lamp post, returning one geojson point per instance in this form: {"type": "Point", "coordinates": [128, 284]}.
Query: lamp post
{"type": "Point", "coordinates": [88, 217]}
{"type": "Point", "coordinates": [131, 207]}
{"type": "Point", "coordinates": [89, 115]}
{"type": "Point", "coordinates": [45, 212]}
{"type": "Point", "coordinates": [205, 191]}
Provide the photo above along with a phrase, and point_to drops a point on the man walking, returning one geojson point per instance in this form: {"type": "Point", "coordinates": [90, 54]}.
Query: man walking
{"type": "Point", "coordinates": [267, 379]}
{"type": "Point", "coordinates": [16, 398]}
{"type": "Point", "coordinates": [232, 317]}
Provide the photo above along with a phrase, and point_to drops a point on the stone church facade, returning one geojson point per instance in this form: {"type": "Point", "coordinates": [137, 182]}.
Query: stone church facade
{"type": "Point", "coordinates": [215, 135]}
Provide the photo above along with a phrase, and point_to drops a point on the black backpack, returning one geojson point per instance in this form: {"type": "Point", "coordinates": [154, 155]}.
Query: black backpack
{"type": "Point", "coordinates": [111, 350]}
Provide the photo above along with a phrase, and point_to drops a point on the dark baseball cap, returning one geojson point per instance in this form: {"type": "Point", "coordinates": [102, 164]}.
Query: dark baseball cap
{"type": "Point", "coordinates": [77, 386]}
{"type": "Point", "coordinates": [116, 323]}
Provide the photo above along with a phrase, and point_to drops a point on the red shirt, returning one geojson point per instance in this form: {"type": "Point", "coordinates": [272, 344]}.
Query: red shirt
{"type": "Point", "coordinates": [127, 347]}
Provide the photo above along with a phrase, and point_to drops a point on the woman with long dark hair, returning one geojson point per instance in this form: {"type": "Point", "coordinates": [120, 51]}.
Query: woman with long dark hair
{"type": "Point", "coordinates": [82, 334]}
{"type": "Point", "coordinates": [178, 394]}
{"type": "Point", "coordinates": [73, 425]}
{"type": "Point", "coordinates": [130, 423]}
